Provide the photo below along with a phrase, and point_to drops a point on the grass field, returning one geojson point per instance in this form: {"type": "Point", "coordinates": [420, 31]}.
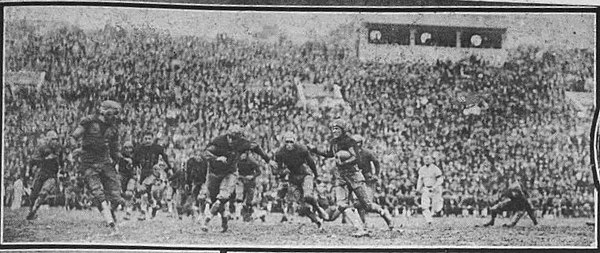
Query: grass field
{"type": "Point", "coordinates": [56, 225]}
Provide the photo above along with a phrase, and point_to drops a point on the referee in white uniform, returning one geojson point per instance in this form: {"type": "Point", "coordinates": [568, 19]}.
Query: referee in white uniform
{"type": "Point", "coordinates": [429, 185]}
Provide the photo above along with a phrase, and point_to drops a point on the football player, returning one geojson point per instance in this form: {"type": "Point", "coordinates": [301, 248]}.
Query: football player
{"type": "Point", "coordinates": [99, 148]}
{"type": "Point", "coordinates": [350, 175]}
{"type": "Point", "coordinates": [370, 168]}
{"type": "Point", "coordinates": [296, 158]}
{"type": "Point", "coordinates": [223, 154]}
{"type": "Point", "coordinates": [249, 169]}
{"type": "Point", "coordinates": [514, 198]}
{"type": "Point", "coordinates": [128, 177]}
{"type": "Point", "coordinates": [146, 156]}
{"type": "Point", "coordinates": [49, 160]}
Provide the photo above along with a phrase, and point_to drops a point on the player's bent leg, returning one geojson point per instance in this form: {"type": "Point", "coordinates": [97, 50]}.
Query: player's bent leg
{"type": "Point", "coordinates": [248, 207]}
{"type": "Point", "coordinates": [308, 196]}
{"type": "Point", "coordinates": [219, 192]}
{"type": "Point", "coordinates": [306, 210]}
{"type": "Point", "coordinates": [37, 196]}
{"type": "Point", "coordinates": [531, 213]}
{"type": "Point", "coordinates": [362, 213]}
{"type": "Point", "coordinates": [96, 190]}
{"type": "Point", "coordinates": [495, 210]}
{"type": "Point", "coordinates": [112, 186]}
{"type": "Point", "coordinates": [362, 196]}
{"type": "Point", "coordinates": [128, 198]}
{"type": "Point", "coordinates": [144, 205]}
{"type": "Point", "coordinates": [35, 190]}
{"type": "Point", "coordinates": [515, 219]}
{"type": "Point", "coordinates": [226, 189]}
{"type": "Point", "coordinates": [354, 220]}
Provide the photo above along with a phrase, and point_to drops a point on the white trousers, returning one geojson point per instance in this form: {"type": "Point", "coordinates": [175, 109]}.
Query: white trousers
{"type": "Point", "coordinates": [431, 201]}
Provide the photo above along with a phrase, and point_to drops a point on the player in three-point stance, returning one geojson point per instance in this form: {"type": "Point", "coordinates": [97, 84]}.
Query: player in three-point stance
{"type": "Point", "coordinates": [296, 158]}
{"type": "Point", "coordinates": [514, 198]}
{"type": "Point", "coordinates": [223, 154]}
{"type": "Point", "coordinates": [99, 150]}
{"type": "Point", "coordinates": [351, 176]}
{"type": "Point", "coordinates": [429, 184]}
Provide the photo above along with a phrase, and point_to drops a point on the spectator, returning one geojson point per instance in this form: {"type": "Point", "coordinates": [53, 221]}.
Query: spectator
{"type": "Point", "coordinates": [189, 90]}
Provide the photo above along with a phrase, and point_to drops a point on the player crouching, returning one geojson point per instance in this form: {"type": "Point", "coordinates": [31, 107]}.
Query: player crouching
{"type": "Point", "coordinates": [513, 199]}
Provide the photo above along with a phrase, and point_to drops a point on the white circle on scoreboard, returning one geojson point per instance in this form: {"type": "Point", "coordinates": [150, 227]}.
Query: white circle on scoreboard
{"type": "Point", "coordinates": [476, 40]}
{"type": "Point", "coordinates": [375, 35]}
{"type": "Point", "coordinates": [425, 37]}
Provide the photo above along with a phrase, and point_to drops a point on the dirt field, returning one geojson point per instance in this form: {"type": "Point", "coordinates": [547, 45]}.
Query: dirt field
{"type": "Point", "coordinates": [59, 226]}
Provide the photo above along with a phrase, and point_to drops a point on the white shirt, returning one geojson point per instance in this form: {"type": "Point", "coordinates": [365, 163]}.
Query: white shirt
{"type": "Point", "coordinates": [428, 175]}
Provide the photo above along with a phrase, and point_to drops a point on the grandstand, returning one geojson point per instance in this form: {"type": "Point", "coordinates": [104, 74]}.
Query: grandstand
{"type": "Point", "coordinates": [403, 104]}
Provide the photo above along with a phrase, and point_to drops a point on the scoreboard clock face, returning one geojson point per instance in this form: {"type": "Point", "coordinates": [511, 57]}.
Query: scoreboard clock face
{"type": "Point", "coordinates": [476, 40]}
{"type": "Point", "coordinates": [375, 35]}
{"type": "Point", "coordinates": [425, 37]}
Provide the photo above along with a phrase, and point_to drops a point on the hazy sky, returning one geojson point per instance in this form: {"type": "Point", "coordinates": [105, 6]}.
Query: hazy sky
{"type": "Point", "coordinates": [577, 30]}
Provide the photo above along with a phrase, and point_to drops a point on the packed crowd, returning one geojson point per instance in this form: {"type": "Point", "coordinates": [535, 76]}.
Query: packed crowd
{"type": "Point", "coordinates": [190, 89]}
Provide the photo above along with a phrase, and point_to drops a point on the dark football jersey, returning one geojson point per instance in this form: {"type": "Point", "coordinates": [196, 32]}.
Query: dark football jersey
{"type": "Point", "coordinates": [146, 157]}
{"type": "Point", "coordinates": [295, 158]}
{"type": "Point", "coordinates": [98, 140]}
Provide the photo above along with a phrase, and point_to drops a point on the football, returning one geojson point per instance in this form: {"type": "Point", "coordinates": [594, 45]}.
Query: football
{"type": "Point", "coordinates": [343, 155]}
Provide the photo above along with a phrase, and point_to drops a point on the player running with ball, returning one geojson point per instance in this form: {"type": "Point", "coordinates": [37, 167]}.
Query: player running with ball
{"type": "Point", "coordinates": [344, 148]}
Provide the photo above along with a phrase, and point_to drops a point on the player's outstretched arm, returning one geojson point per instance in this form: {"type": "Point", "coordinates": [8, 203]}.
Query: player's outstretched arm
{"type": "Point", "coordinates": [254, 147]}
{"type": "Point", "coordinates": [328, 153]}
{"type": "Point", "coordinates": [209, 152]}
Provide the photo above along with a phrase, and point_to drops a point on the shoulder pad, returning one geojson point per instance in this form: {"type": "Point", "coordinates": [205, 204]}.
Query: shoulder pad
{"type": "Point", "coordinates": [302, 147]}
{"type": "Point", "coordinates": [218, 141]}
{"type": "Point", "coordinates": [347, 140]}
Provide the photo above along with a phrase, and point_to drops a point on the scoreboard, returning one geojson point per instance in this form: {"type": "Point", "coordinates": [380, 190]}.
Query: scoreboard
{"type": "Point", "coordinates": [439, 36]}
{"type": "Point", "coordinates": [387, 42]}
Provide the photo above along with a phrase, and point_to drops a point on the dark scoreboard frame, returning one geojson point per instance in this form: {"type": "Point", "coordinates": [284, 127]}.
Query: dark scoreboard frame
{"type": "Point", "coordinates": [440, 36]}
